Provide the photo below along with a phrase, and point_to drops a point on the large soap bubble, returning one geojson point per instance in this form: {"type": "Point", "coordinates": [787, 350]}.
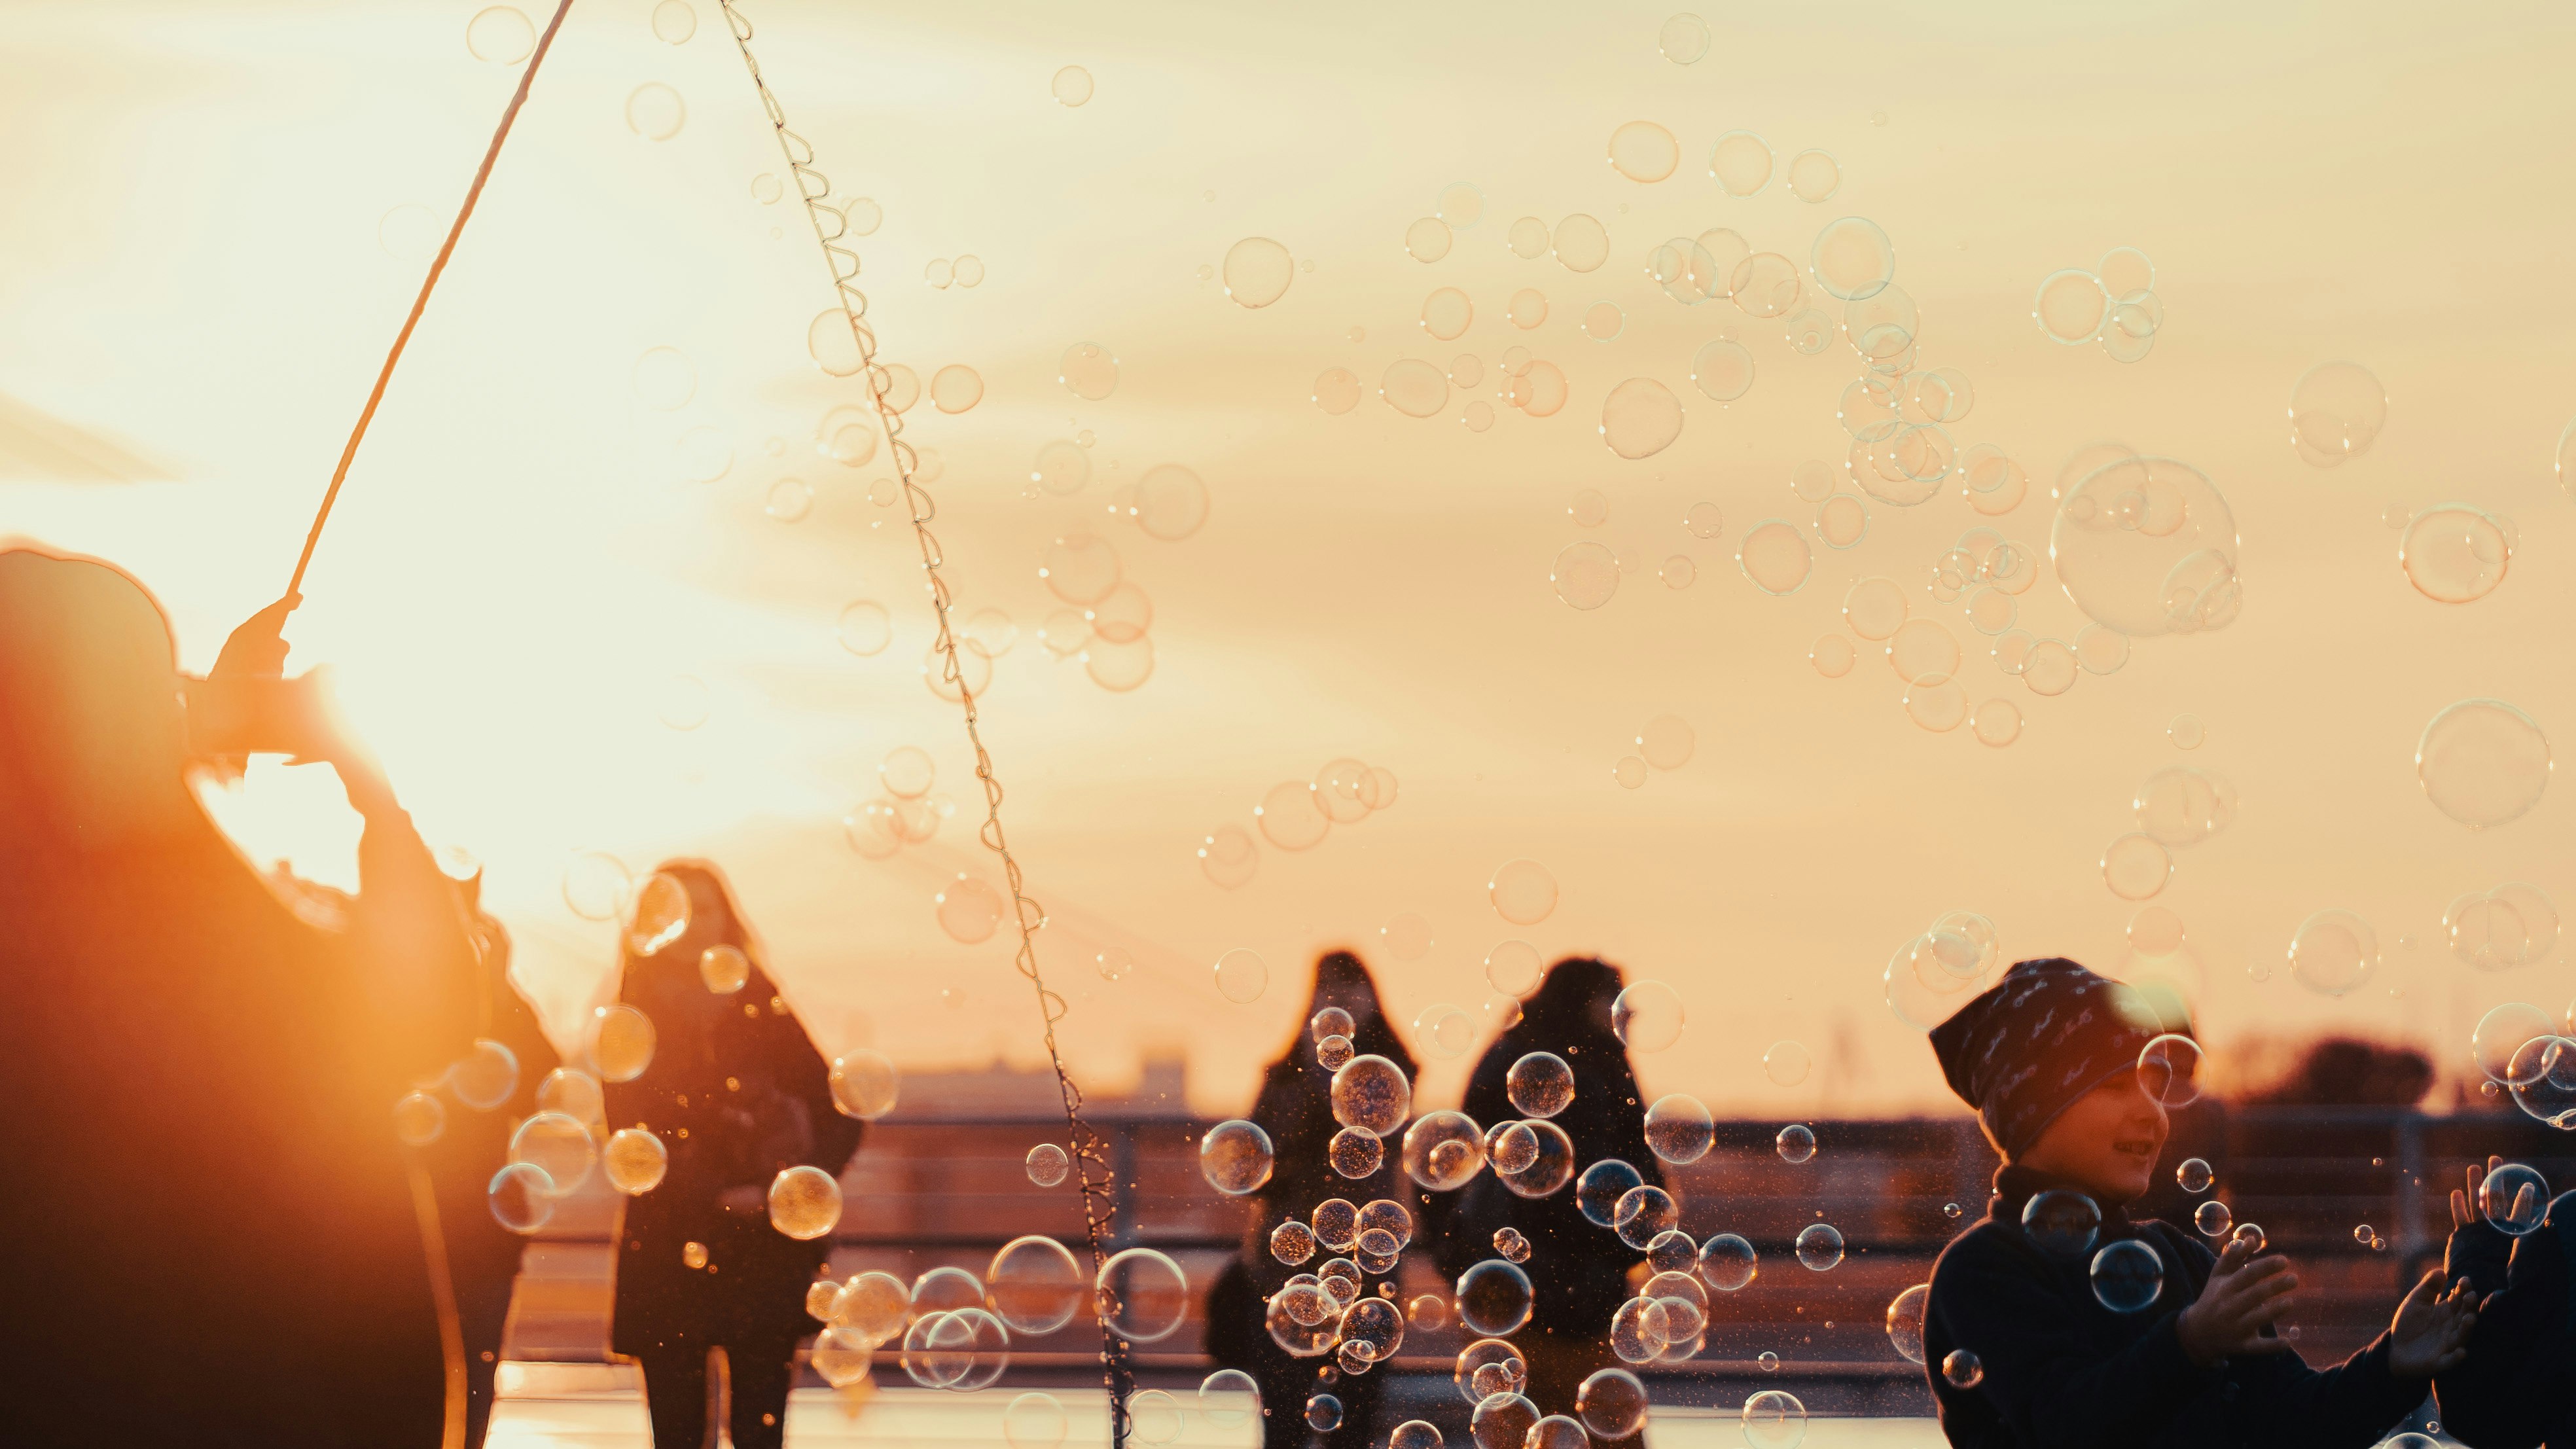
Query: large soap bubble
{"type": "Point", "coordinates": [1142, 1295]}
{"type": "Point", "coordinates": [2483, 762]}
{"type": "Point", "coordinates": [1034, 1284]}
{"type": "Point", "coordinates": [1371, 1094]}
{"type": "Point", "coordinates": [1442, 1150]}
{"type": "Point", "coordinates": [1493, 1298]}
{"type": "Point", "coordinates": [2147, 546]}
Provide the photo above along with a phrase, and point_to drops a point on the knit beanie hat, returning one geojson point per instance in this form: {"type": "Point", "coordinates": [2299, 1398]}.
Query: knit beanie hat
{"type": "Point", "coordinates": [2048, 1033]}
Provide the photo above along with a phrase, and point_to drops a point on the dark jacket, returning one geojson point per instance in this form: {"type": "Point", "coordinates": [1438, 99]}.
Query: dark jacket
{"type": "Point", "coordinates": [1577, 1269]}
{"type": "Point", "coordinates": [2064, 1372]}
{"type": "Point", "coordinates": [737, 1094]}
{"type": "Point", "coordinates": [2517, 1387]}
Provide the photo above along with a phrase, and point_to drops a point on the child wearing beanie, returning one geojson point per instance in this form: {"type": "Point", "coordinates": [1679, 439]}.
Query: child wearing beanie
{"type": "Point", "coordinates": [2184, 1356]}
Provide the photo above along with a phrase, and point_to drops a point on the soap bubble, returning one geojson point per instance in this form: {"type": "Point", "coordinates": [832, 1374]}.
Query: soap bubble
{"type": "Point", "coordinates": [1842, 520]}
{"type": "Point", "coordinates": [804, 1202]}
{"type": "Point", "coordinates": [2483, 762]}
{"type": "Point", "coordinates": [501, 35]}
{"type": "Point", "coordinates": [2169, 1069]}
{"type": "Point", "coordinates": [1142, 1295]}
{"type": "Point", "coordinates": [1642, 1214]}
{"type": "Point", "coordinates": [1493, 1298]}
{"type": "Point", "coordinates": [2334, 952]}
{"type": "Point", "coordinates": [1586, 575]}
{"type": "Point", "coordinates": [1786, 1063]}
{"type": "Point", "coordinates": [1353, 1153]}
{"type": "Point", "coordinates": [2454, 554]}
{"type": "Point", "coordinates": [1370, 1093]}
{"type": "Point", "coordinates": [2511, 925]}
{"type": "Point", "coordinates": [1241, 976]}
{"type": "Point", "coordinates": [1598, 1191]}
{"type": "Point", "coordinates": [1996, 722]}
{"type": "Point", "coordinates": [1814, 176]}
{"type": "Point", "coordinates": [1741, 163]}
{"type": "Point", "coordinates": [485, 1077]}
{"type": "Point", "coordinates": [1644, 151]}
{"type": "Point", "coordinates": [1647, 1016]}
{"type": "Point", "coordinates": [864, 1084]}
{"type": "Point", "coordinates": [1679, 1128]}
{"type": "Point", "coordinates": [1235, 1157]}
{"type": "Point", "coordinates": [1795, 1142]}
{"type": "Point", "coordinates": [1442, 1150]}
{"type": "Point", "coordinates": [419, 1119]}
{"type": "Point", "coordinates": [2543, 1077]}
{"type": "Point", "coordinates": [1852, 257]}
{"type": "Point", "coordinates": [521, 1196]}
{"type": "Point", "coordinates": [2063, 1222]}
{"type": "Point", "coordinates": [1509, 1242]}
{"type": "Point", "coordinates": [1034, 1284]}
{"type": "Point", "coordinates": [1905, 1322]}
{"type": "Point", "coordinates": [1723, 370]}
{"type": "Point", "coordinates": [2071, 306]}
{"type": "Point", "coordinates": [1775, 556]}
{"type": "Point", "coordinates": [2180, 806]}
{"type": "Point", "coordinates": [1072, 86]}
{"type": "Point", "coordinates": [1672, 1251]}
{"type": "Point", "coordinates": [2501, 1034]}
{"type": "Point", "coordinates": [1774, 1419]}
{"type": "Point", "coordinates": [2336, 412]}
{"type": "Point", "coordinates": [1962, 1369]}
{"type": "Point", "coordinates": [2127, 1276]}
{"type": "Point", "coordinates": [2147, 546]}
{"type": "Point", "coordinates": [2213, 1219]}
{"type": "Point", "coordinates": [1219, 1393]}
{"type": "Point", "coordinates": [1582, 243]}
{"type": "Point", "coordinates": [1548, 1169]}
{"type": "Point", "coordinates": [1087, 370]}
{"type": "Point", "coordinates": [2514, 1198]}
{"type": "Point", "coordinates": [1832, 655]}
{"type": "Point", "coordinates": [969, 910]}
{"type": "Point", "coordinates": [1523, 892]}
{"type": "Point", "coordinates": [1639, 1330]}
{"type": "Point", "coordinates": [621, 1042]}
{"type": "Point", "coordinates": [1640, 418]}
{"type": "Point", "coordinates": [1820, 1247]}
{"type": "Point", "coordinates": [2194, 1175]}
{"type": "Point", "coordinates": [1337, 390]}
{"type": "Point", "coordinates": [1727, 1262]}
{"type": "Point", "coordinates": [655, 111]}
{"type": "Point", "coordinates": [560, 1144]}
{"type": "Point", "coordinates": [1611, 1403]}
{"type": "Point", "coordinates": [1035, 1421]}
{"type": "Point", "coordinates": [2135, 866]}
{"type": "Point", "coordinates": [1540, 1084]}
{"type": "Point", "coordinates": [1047, 1164]}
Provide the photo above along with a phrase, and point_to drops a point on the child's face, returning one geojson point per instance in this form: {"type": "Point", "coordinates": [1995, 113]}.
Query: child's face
{"type": "Point", "coordinates": [2107, 1142]}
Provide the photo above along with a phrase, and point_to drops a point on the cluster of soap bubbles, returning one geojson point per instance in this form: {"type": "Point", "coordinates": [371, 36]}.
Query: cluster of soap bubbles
{"type": "Point", "coordinates": [1297, 815]}
{"type": "Point", "coordinates": [1936, 972]}
{"type": "Point", "coordinates": [1665, 742]}
{"type": "Point", "coordinates": [2519, 1049]}
{"type": "Point", "coordinates": [2176, 807]}
{"type": "Point", "coordinates": [2144, 545]}
{"type": "Point", "coordinates": [2114, 304]}
{"type": "Point", "coordinates": [904, 812]}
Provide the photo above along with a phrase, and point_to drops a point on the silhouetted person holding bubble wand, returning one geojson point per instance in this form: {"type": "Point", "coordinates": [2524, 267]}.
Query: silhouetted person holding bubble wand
{"type": "Point", "coordinates": [738, 1094]}
{"type": "Point", "coordinates": [1295, 1107]}
{"type": "Point", "coordinates": [209, 1234]}
{"type": "Point", "coordinates": [1578, 1269]}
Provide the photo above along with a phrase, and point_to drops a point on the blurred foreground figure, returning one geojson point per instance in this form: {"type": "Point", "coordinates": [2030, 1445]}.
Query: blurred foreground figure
{"type": "Point", "coordinates": [208, 1234]}
{"type": "Point", "coordinates": [1578, 1269]}
{"type": "Point", "coordinates": [737, 1094]}
{"type": "Point", "coordinates": [1296, 1108]}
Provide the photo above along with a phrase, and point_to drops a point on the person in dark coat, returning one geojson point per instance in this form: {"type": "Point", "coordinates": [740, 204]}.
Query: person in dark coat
{"type": "Point", "coordinates": [1578, 1270]}
{"type": "Point", "coordinates": [208, 1233]}
{"type": "Point", "coordinates": [737, 1094]}
{"type": "Point", "coordinates": [483, 1256]}
{"type": "Point", "coordinates": [2516, 1389]}
{"type": "Point", "coordinates": [2049, 1057]}
{"type": "Point", "coordinates": [1295, 1107]}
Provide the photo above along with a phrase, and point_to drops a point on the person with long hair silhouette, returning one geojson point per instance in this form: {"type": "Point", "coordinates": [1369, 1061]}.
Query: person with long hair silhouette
{"type": "Point", "coordinates": [1295, 1108]}
{"type": "Point", "coordinates": [737, 1094]}
{"type": "Point", "coordinates": [209, 1233]}
{"type": "Point", "coordinates": [1578, 1269]}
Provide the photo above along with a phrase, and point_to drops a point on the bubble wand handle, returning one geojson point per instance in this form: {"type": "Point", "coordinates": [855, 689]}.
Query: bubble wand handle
{"type": "Point", "coordinates": [420, 304]}
{"type": "Point", "coordinates": [1096, 1174]}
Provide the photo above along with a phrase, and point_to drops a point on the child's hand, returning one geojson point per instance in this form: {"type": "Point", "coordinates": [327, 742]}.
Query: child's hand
{"type": "Point", "coordinates": [2240, 1300]}
{"type": "Point", "coordinates": [2431, 1330]}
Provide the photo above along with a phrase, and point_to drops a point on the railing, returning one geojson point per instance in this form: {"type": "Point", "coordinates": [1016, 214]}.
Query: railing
{"type": "Point", "coordinates": [925, 1193]}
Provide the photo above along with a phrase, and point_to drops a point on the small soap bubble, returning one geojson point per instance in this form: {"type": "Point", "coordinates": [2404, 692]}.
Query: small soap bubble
{"type": "Point", "coordinates": [1814, 176]}
{"type": "Point", "coordinates": [1644, 151]}
{"type": "Point", "coordinates": [1820, 1247]}
{"type": "Point", "coordinates": [1047, 1164]}
{"type": "Point", "coordinates": [1741, 163]}
{"type": "Point", "coordinates": [1962, 1369]}
{"type": "Point", "coordinates": [1795, 1142]}
{"type": "Point", "coordinates": [2213, 1219]}
{"type": "Point", "coordinates": [655, 111]}
{"type": "Point", "coordinates": [1683, 40]}
{"type": "Point", "coordinates": [500, 35]}
{"type": "Point", "coordinates": [2336, 412]}
{"type": "Point", "coordinates": [1775, 556]}
{"type": "Point", "coordinates": [1072, 86]}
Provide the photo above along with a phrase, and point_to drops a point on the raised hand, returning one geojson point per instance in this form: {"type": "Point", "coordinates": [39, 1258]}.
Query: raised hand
{"type": "Point", "coordinates": [257, 648]}
{"type": "Point", "coordinates": [2243, 1296]}
{"type": "Point", "coordinates": [2431, 1330]}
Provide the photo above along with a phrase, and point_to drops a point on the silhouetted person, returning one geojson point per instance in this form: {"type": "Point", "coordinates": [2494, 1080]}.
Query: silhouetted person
{"type": "Point", "coordinates": [208, 1231]}
{"type": "Point", "coordinates": [482, 1255]}
{"type": "Point", "coordinates": [1296, 1108]}
{"type": "Point", "coordinates": [1578, 1270]}
{"type": "Point", "coordinates": [2343, 1071]}
{"type": "Point", "coordinates": [737, 1094]}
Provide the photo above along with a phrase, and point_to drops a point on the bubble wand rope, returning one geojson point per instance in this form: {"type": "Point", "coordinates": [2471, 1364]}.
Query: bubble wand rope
{"type": "Point", "coordinates": [420, 304]}
{"type": "Point", "coordinates": [1092, 1166]}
